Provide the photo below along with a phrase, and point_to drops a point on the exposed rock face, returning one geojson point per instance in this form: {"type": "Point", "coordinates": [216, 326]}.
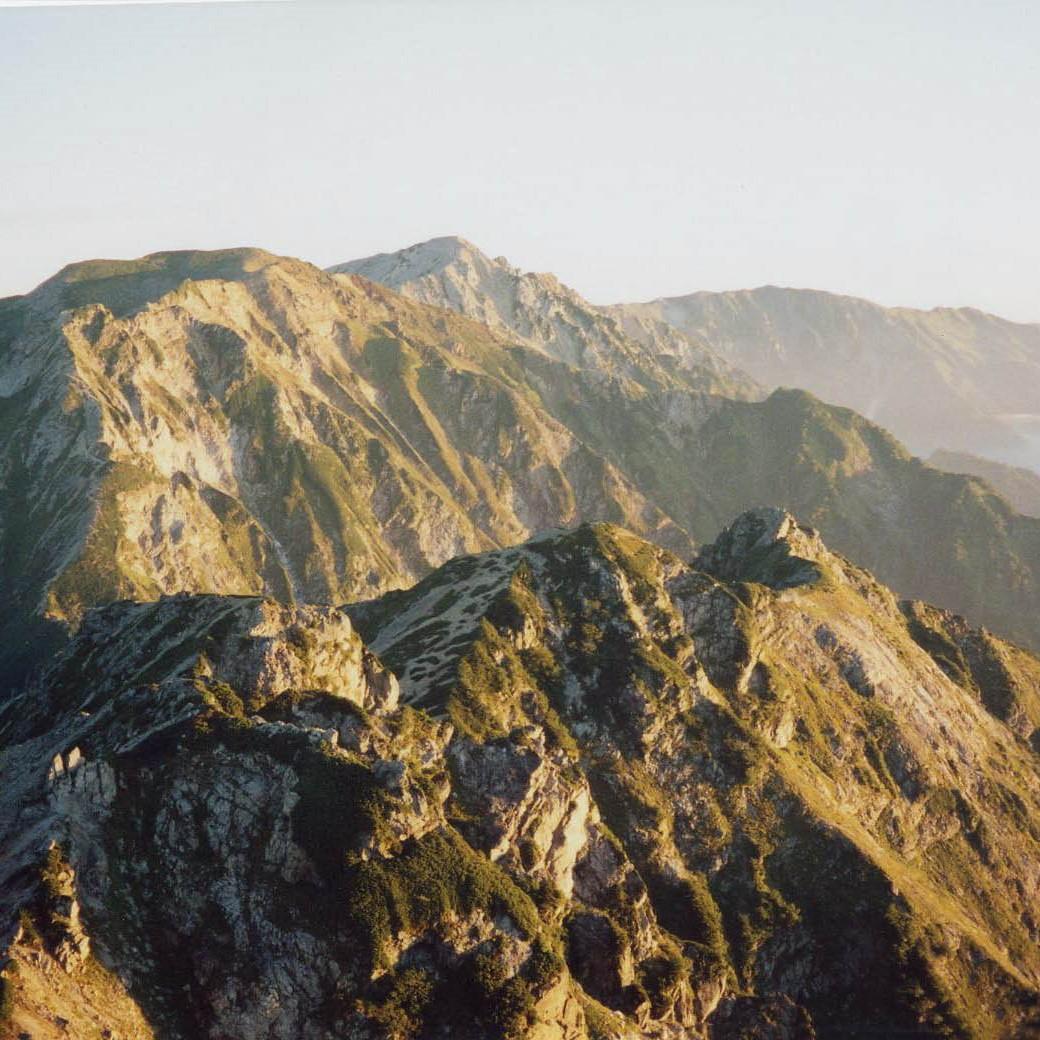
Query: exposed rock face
{"type": "Point", "coordinates": [614, 796]}
{"type": "Point", "coordinates": [547, 315]}
{"type": "Point", "coordinates": [767, 546]}
{"type": "Point", "coordinates": [239, 423]}
{"type": "Point", "coordinates": [525, 806]}
{"type": "Point", "coordinates": [1005, 679]}
{"type": "Point", "coordinates": [241, 643]}
{"type": "Point", "coordinates": [761, 1018]}
{"type": "Point", "coordinates": [944, 378]}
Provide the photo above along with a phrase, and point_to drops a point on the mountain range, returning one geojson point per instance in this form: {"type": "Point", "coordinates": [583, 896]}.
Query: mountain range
{"type": "Point", "coordinates": [947, 378]}
{"type": "Point", "coordinates": [414, 649]}
{"type": "Point", "coordinates": [541, 312]}
{"type": "Point", "coordinates": [237, 422]}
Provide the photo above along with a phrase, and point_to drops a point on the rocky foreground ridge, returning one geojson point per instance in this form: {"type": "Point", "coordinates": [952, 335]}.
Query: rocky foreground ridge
{"type": "Point", "coordinates": [235, 422]}
{"type": "Point", "coordinates": [573, 789]}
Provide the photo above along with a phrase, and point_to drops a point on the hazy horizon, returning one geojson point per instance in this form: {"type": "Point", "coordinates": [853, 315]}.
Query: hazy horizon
{"type": "Point", "coordinates": [633, 152]}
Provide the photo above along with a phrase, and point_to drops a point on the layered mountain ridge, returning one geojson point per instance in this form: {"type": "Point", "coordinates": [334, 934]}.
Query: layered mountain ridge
{"type": "Point", "coordinates": [236, 422]}
{"type": "Point", "coordinates": [948, 378]}
{"type": "Point", "coordinates": [1017, 484]}
{"type": "Point", "coordinates": [585, 790]}
{"type": "Point", "coordinates": [374, 668]}
{"type": "Point", "coordinates": [793, 434]}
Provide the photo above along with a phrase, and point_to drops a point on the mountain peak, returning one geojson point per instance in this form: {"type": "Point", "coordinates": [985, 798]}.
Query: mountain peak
{"type": "Point", "coordinates": [417, 261]}
{"type": "Point", "coordinates": [126, 285]}
{"type": "Point", "coordinates": [766, 545]}
{"type": "Point", "coordinates": [544, 313]}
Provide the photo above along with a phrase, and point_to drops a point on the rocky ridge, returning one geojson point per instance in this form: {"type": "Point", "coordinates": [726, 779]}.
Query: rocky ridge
{"type": "Point", "coordinates": [577, 789]}
{"type": "Point", "coordinates": [240, 423]}
{"type": "Point", "coordinates": [1018, 485]}
{"type": "Point", "coordinates": [547, 315]}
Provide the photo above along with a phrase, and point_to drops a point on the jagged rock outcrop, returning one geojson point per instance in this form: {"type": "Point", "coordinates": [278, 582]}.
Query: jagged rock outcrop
{"type": "Point", "coordinates": [241, 643]}
{"type": "Point", "coordinates": [613, 795]}
{"type": "Point", "coordinates": [766, 546]}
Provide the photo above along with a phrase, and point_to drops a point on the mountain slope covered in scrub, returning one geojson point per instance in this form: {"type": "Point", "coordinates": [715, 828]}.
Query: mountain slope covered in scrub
{"type": "Point", "coordinates": [1018, 485]}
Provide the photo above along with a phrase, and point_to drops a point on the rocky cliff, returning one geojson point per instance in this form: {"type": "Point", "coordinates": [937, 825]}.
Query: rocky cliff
{"type": "Point", "coordinates": [577, 788]}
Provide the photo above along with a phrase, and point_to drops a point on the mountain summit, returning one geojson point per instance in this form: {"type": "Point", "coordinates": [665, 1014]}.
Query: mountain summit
{"type": "Point", "coordinates": [545, 314]}
{"type": "Point", "coordinates": [421, 261]}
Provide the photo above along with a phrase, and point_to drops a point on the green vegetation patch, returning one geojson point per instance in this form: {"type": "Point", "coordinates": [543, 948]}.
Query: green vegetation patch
{"type": "Point", "coordinates": [105, 569]}
{"type": "Point", "coordinates": [434, 878]}
{"type": "Point", "coordinates": [478, 995]}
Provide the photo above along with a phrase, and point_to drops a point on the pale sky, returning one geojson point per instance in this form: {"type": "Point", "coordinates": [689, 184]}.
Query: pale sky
{"type": "Point", "coordinates": [884, 149]}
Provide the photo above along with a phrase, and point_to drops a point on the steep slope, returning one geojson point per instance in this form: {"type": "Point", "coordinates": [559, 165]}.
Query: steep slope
{"type": "Point", "coordinates": [269, 428]}
{"type": "Point", "coordinates": [262, 426]}
{"type": "Point", "coordinates": [943, 378]}
{"type": "Point", "coordinates": [704, 457]}
{"type": "Point", "coordinates": [761, 733]}
{"type": "Point", "coordinates": [930, 535]}
{"type": "Point", "coordinates": [545, 314]}
{"type": "Point", "coordinates": [1019, 486]}
{"type": "Point", "coordinates": [612, 795]}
